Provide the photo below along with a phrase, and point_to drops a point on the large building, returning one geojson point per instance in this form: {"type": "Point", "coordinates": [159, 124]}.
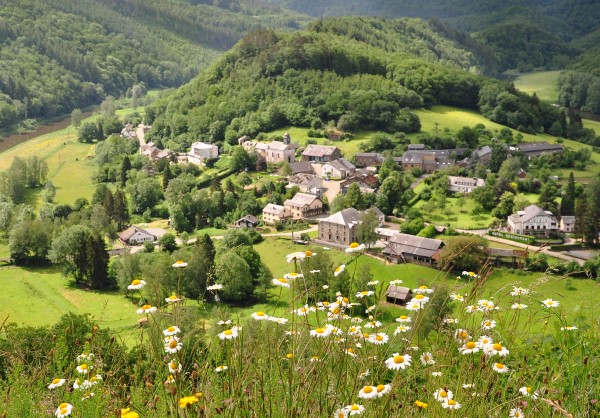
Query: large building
{"type": "Point", "coordinates": [135, 236]}
{"type": "Point", "coordinates": [273, 213]}
{"type": "Point", "coordinates": [273, 152]}
{"type": "Point", "coordinates": [340, 228]}
{"type": "Point", "coordinates": [405, 248]}
{"type": "Point", "coordinates": [303, 205]}
{"type": "Point", "coordinates": [427, 161]}
{"type": "Point", "coordinates": [367, 159]}
{"type": "Point", "coordinates": [464, 184]}
{"type": "Point", "coordinates": [321, 153]}
{"type": "Point", "coordinates": [533, 220]}
{"type": "Point", "coordinates": [202, 151]}
{"type": "Point", "coordinates": [534, 149]}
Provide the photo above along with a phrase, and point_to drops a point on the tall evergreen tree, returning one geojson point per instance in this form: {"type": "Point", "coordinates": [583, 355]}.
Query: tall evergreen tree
{"type": "Point", "coordinates": [125, 167]}
{"type": "Point", "coordinates": [167, 176]}
{"type": "Point", "coordinates": [567, 205]}
{"type": "Point", "coordinates": [97, 263]}
{"type": "Point", "coordinates": [120, 211]}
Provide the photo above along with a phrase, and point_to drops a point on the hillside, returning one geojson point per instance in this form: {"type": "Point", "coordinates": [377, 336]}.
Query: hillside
{"type": "Point", "coordinates": [356, 73]}
{"type": "Point", "coordinates": [56, 55]}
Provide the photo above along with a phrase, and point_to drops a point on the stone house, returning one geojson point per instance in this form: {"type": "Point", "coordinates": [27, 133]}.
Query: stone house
{"type": "Point", "coordinates": [368, 159]}
{"type": "Point", "coordinates": [567, 224]}
{"type": "Point", "coordinates": [303, 205]}
{"type": "Point", "coordinates": [533, 220]}
{"type": "Point", "coordinates": [273, 213]}
{"type": "Point", "coordinates": [427, 161]}
{"type": "Point", "coordinates": [340, 228]}
{"type": "Point", "coordinates": [321, 153]}
{"type": "Point", "coordinates": [338, 169]}
{"type": "Point", "coordinates": [534, 149]}
{"type": "Point", "coordinates": [273, 152]}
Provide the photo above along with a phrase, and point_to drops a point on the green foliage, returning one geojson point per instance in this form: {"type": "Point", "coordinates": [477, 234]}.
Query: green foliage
{"type": "Point", "coordinates": [167, 242]}
{"type": "Point", "coordinates": [463, 253]}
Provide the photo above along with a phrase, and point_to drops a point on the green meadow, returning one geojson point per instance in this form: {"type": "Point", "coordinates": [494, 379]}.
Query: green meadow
{"type": "Point", "coordinates": [544, 84]}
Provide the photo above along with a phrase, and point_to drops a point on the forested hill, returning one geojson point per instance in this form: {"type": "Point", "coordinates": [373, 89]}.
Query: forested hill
{"type": "Point", "coordinates": [525, 34]}
{"type": "Point", "coordinates": [56, 55]}
{"type": "Point", "coordinates": [354, 72]}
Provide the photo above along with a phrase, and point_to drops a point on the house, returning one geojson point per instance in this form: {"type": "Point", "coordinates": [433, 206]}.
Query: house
{"type": "Point", "coordinates": [202, 151]}
{"type": "Point", "coordinates": [534, 149]}
{"type": "Point", "coordinates": [299, 167]}
{"type": "Point", "coordinates": [427, 161]}
{"type": "Point", "coordinates": [128, 131]}
{"type": "Point", "coordinates": [153, 153]}
{"type": "Point", "coordinates": [135, 236]}
{"type": "Point", "coordinates": [464, 184]}
{"type": "Point", "coordinates": [340, 228]}
{"type": "Point", "coordinates": [273, 152]}
{"type": "Point", "coordinates": [303, 205]}
{"type": "Point", "coordinates": [367, 183]}
{"type": "Point", "coordinates": [338, 169]}
{"type": "Point", "coordinates": [567, 224]}
{"type": "Point", "coordinates": [368, 159]}
{"type": "Point", "coordinates": [321, 153]}
{"type": "Point", "coordinates": [484, 154]}
{"type": "Point", "coordinates": [416, 147]}
{"type": "Point", "coordinates": [533, 220]}
{"type": "Point", "coordinates": [405, 248]}
{"type": "Point", "coordinates": [522, 174]}
{"type": "Point", "coordinates": [306, 183]}
{"type": "Point", "coordinates": [273, 213]}
{"type": "Point", "coordinates": [398, 295]}
{"type": "Point", "coordinates": [248, 221]}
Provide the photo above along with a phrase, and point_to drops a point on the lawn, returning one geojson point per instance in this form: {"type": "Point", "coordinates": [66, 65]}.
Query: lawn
{"type": "Point", "coordinates": [40, 296]}
{"type": "Point", "coordinates": [451, 215]}
{"type": "Point", "coordinates": [544, 84]}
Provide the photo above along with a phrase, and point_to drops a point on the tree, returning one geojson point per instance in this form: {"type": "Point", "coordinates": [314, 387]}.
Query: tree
{"type": "Point", "coordinates": [235, 276]}
{"type": "Point", "coordinates": [125, 167]}
{"type": "Point", "coordinates": [354, 197]}
{"type": "Point", "coordinates": [97, 263]}
{"type": "Point", "coordinates": [30, 239]}
{"type": "Point", "coordinates": [505, 206]}
{"type": "Point", "coordinates": [547, 197]}
{"type": "Point", "coordinates": [168, 242]}
{"type": "Point", "coordinates": [87, 132]}
{"type": "Point", "coordinates": [6, 215]}
{"type": "Point", "coordinates": [120, 213]}
{"type": "Point", "coordinates": [145, 194]}
{"type": "Point", "coordinates": [136, 93]}
{"type": "Point", "coordinates": [567, 204]}
{"type": "Point", "coordinates": [520, 202]}
{"type": "Point", "coordinates": [108, 107]}
{"type": "Point", "coordinates": [460, 202]}
{"type": "Point", "coordinates": [365, 231]}
{"type": "Point", "coordinates": [463, 253]}
{"type": "Point", "coordinates": [69, 248]}
{"type": "Point", "coordinates": [167, 176]}
{"type": "Point", "coordinates": [76, 117]}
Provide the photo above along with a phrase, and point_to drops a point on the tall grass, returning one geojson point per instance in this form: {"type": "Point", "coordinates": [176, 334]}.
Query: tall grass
{"type": "Point", "coordinates": [310, 356]}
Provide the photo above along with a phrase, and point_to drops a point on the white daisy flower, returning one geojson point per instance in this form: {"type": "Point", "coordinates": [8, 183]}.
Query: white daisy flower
{"type": "Point", "coordinates": [56, 383]}
{"type": "Point", "coordinates": [355, 247]}
{"type": "Point", "coordinates": [339, 270]}
{"type": "Point", "coordinates": [281, 282]}
{"type": "Point", "coordinates": [260, 316]}
{"type": "Point", "coordinates": [427, 359]}
{"type": "Point", "coordinates": [500, 368]}
{"type": "Point", "coordinates": [451, 404]}
{"type": "Point", "coordinates": [137, 284]}
{"type": "Point", "coordinates": [443, 395]}
{"type": "Point", "coordinates": [63, 410]}
{"type": "Point", "coordinates": [146, 309]}
{"type": "Point", "coordinates": [549, 303]}
{"type": "Point", "coordinates": [367, 392]}
{"type": "Point", "coordinates": [354, 409]}
{"type": "Point", "coordinates": [397, 361]}
{"type": "Point", "coordinates": [383, 390]}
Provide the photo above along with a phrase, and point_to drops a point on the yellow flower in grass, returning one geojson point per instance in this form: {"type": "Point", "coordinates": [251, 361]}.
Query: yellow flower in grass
{"type": "Point", "coordinates": [128, 413]}
{"type": "Point", "coordinates": [397, 361]}
{"type": "Point", "coordinates": [420, 404]}
{"type": "Point", "coordinates": [172, 330]}
{"type": "Point", "coordinates": [56, 383]}
{"type": "Point", "coordinates": [137, 284]}
{"type": "Point", "coordinates": [63, 410]}
{"type": "Point", "coordinates": [383, 390]}
{"type": "Point", "coordinates": [187, 401]}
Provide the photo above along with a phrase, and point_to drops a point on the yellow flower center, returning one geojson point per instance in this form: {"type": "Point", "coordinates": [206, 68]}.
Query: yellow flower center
{"type": "Point", "coordinates": [419, 297]}
{"type": "Point", "coordinates": [443, 394]}
{"type": "Point", "coordinates": [63, 411]}
{"type": "Point", "coordinates": [172, 344]}
{"type": "Point", "coordinates": [308, 253]}
{"type": "Point", "coordinates": [470, 345]}
{"type": "Point", "coordinates": [354, 245]}
{"type": "Point", "coordinates": [320, 330]}
{"type": "Point", "coordinates": [404, 317]}
{"type": "Point", "coordinates": [345, 300]}
{"type": "Point", "coordinates": [55, 381]}
{"type": "Point", "coordinates": [379, 338]}
{"type": "Point", "coordinates": [398, 359]}
{"type": "Point", "coordinates": [325, 303]}
{"type": "Point", "coordinates": [380, 388]}
{"type": "Point", "coordinates": [366, 336]}
{"type": "Point", "coordinates": [365, 292]}
{"type": "Point", "coordinates": [83, 367]}
{"type": "Point", "coordinates": [146, 307]}
{"type": "Point", "coordinates": [488, 323]}
{"type": "Point", "coordinates": [464, 335]}
{"type": "Point", "coordinates": [179, 262]}
{"type": "Point", "coordinates": [528, 390]}
{"type": "Point", "coordinates": [228, 332]}
{"type": "Point", "coordinates": [341, 415]}
{"type": "Point", "coordinates": [289, 355]}
{"type": "Point", "coordinates": [497, 347]}
{"type": "Point", "coordinates": [499, 365]}
{"type": "Point", "coordinates": [63, 405]}
{"type": "Point", "coordinates": [351, 350]}
{"type": "Point", "coordinates": [260, 313]}
{"type": "Point", "coordinates": [282, 280]}
{"type": "Point", "coordinates": [136, 282]}
{"type": "Point", "coordinates": [338, 269]}
{"type": "Point", "coordinates": [354, 407]}
{"type": "Point", "coordinates": [171, 329]}
{"type": "Point", "coordinates": [423, 287]}
{"type": "Point", "coordinates": [451, 402]}
{"type": "Point", "coordinates": [367, 389]}
{"type": "Point", "coordinates": [336, 311]}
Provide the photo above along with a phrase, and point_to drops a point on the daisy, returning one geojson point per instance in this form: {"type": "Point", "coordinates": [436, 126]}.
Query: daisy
{"type": "Point", "coordinates": [179, 264]}
{"type": "Point", "coordinates": [355, 409]}
{"type": "Point", "coordinates": [175, 367]}
{"type": "Point", "coordinates": [354, 247]}
{"type": "Point", "coordinates": [305, 310]}
{"type": "Point", "coordinates": [309, 253]}
{"type": "Point", "coordinates": [370, 309]}
{"type": "Point", "coordinates": [339, 270]}
{"type": "Point", "coordinates": [457, 297]}
{"type": "Point", "coordinates": [364, 293]}
{"type": "Point", "coordinates": [471, 309]}
{"type": "Point", "coordinates": [413, 306]}
{"type": "Point", "coordinates": [280, 321]}
{"type": "Point", "coordinates": [320, 332]}
{"type": "Point", "coordinates": [173, 345]}
{"type": "Point", "coordinates": [170, 380]}
{"type": "Point", "coordinates": [228, 334]}
{"type": "Point", "coordinates": [260, 316]}
{"type": "Point", "coordinates": [516, 413]}
{"type": "Point", "coordinates": [379, 338]}
{"type": "Point", "coordinates": [569, 328]}
{"type": "Point", "coordinates": [340, 413]}
{"type": "Point", "coordinates": [420, 299]}
{"type": "Point", "coordinates": [88, 395]}
{"type": "Point", "coordinates": [383, 390]}
{"type": "Point", "coordinates": [519, 291]}
{"type": "Point", "coordinates": [215, 287]}
{"type": "Point", "coordinates": [549, 303]}
{"type": "Point", "coordinates": [368, 392]}
{"type": "Point", "coordinates": [495, 349]}
{"type": "Point", "coordinates": [404, 318]}
{"type": "Point", "coordinates": [527, 391]}
{"type": "Point", "coordinates": [187, 401]}
{"type": "Point", "coordinates": [468, 385]}
{"type": "Point", "coordinates": [461, 335]}
{"type": "Point", "coordinates": [318, 271]}
{"type": "Point", "coordinates": [350, 352]}
{"type": "Point", "coordinates": [373, 324]}
{"type": "Point", "coordinates": [422, 290]}
{"type": "Point", "coordinates": [146, 309]}
{"type": "Point", "coordinates": [373, 283]}
{"type": "Point", "coordinates": [401, 328]}
{"type": "Point", "coordinates": [443, 395]}
{"type": "Point", "coordinates": [172, 299]}
{"type": "Point", "coordinates": [484, 340]}
{"type": "Point", "coordinates": [63, 410]}
{"type": "Point", "coordinates": [450, 321]}
{"type": "Point", "coordinates": [172, 330]}
{"type": "Point", "coordinates": [486, 305]}
{"type": "Point", "coordinates": [83, 368]}
{"type": "Point", "coordinates": [436, 374]}
{"type": "Point", "coordinates": [396, 282]}
{"type": "Point", "coordinates": [451, 404]}
{"type": "Point", "coordinates": [518, 306]}
{"type": "Point", "coordinates": [500, 368]}
{"type": "Point", "coordinates": [137, 284]}
{"type": "Point", "coordinates": [292, 276]}
{"type": "Point", "coordinates": [281, 282]}
{"type": "Point", "coordinates": [427, 358]}
{"type": "Point", "coordinates": [85, 357]}
{"type": "Point", "coordinates": [56, 383]}
{"type": "Point", "coordinates": [220, 369]}
{"type": "Point", "coordinates": [488, 324]}
{"type": "Point", "coordinates": [298, 256]}
{"type": "Point", "coordinates": [398, 362]}
{"type": "Point", "coordinates": [325, 286]}
{"type": "Point", "coordinates": [468, 348]}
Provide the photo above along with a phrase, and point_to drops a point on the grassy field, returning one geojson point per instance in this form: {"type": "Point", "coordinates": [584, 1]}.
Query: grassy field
{"type": "Point", "coordinates": [451, 215]}
{"type": "Point", "coordinates": [544, 84]}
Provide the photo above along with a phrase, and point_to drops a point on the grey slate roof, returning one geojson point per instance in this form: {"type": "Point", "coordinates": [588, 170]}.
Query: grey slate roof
{"type": "Point", "coordinates": [530, 212]}
{"type": "Point", "coordinates": [319, 150]}
{"type": "Point", "coordinates": [400, 244]}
